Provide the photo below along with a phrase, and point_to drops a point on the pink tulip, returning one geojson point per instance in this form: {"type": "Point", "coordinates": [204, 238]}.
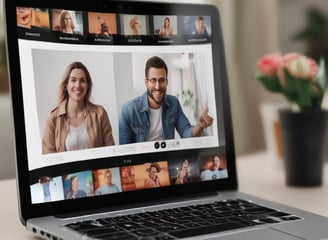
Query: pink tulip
{"type": "Point", "coordinates": [300, 66]}
{"type": "Point", "coordinates": [269, 64]}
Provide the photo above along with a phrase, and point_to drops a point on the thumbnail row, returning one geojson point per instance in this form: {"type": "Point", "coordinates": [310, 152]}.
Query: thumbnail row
{"type": "Point", "coordinates": [128, 178]}
{"type": "Point", "coordinates": [103, 25]}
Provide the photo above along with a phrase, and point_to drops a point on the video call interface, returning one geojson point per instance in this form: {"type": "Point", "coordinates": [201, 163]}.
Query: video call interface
{"type": "Point", "coordinates": [102, 86]}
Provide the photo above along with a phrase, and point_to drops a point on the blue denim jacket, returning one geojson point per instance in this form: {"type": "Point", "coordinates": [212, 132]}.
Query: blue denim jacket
{"type": "Point", "coordinates": [134, 120]}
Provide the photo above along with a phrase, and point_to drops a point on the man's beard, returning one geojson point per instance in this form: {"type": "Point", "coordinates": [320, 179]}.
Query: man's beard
{"type": "Point", "coordinates": [151, 95]}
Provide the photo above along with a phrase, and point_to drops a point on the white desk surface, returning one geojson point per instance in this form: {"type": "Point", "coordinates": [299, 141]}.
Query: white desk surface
{"type": "Point", "coordinates": [257, 175]}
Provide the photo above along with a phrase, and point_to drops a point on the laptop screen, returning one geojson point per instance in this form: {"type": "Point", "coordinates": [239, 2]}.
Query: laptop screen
{"type": "Point", "coordinates": [118, 100]}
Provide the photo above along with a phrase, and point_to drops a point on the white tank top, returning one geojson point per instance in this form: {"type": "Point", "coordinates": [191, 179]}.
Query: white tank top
{"type": "Point", "coordinates": [156, 128]}
{"type": "Point", "coordinates": [77, 138]}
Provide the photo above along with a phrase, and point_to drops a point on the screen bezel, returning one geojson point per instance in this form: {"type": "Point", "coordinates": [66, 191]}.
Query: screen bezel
{"type": "Point", "coordinates": [29, 210]}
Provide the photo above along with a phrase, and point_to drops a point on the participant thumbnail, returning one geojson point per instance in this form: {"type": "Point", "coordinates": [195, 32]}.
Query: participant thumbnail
{"type": "Point", "coordinates": [134, 25]}
{"type": "Point", "coordinates": [184, 171]}
{"type": "Point", "coordinates": [67, 22]}
{"type": "Point", "coordinates": [148, 175]}
{"type": "Point", "coordinates": [196, 26]}
{"type": "Point", "coordinates": [128, 178]}
{"type": "Point", "coordinates": [48, 189]}
{"type": "Point", "coordinates": [78, 185]}
{"type": "Point", "coordinates": [165, 26]}
{"type": "Point", "coordinates": [107, 181]}
{"type": "Point", "coordinates": [33, 18]}
{"type": "Point", "coordinates": [213, 167]}
{"type": "Point", "coordinates": [102, 25]}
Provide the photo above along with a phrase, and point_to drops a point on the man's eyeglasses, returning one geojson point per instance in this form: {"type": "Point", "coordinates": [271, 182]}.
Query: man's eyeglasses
{"type": "Point", "coordinates": [160, 81]}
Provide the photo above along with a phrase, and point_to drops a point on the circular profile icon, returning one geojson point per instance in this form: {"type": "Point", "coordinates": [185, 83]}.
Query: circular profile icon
{"type": "Point", "coordinates": [156, 145]}
{"type": "Point", "coordinates": [163, 144]}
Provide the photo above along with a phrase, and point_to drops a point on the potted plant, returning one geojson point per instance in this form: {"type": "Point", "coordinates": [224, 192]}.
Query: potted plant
{"type": "Point", "coordinates": [303, 126]}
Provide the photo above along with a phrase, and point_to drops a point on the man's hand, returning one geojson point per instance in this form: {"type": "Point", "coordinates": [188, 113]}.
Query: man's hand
{"type": "Point", "coordinates": [205, 120]}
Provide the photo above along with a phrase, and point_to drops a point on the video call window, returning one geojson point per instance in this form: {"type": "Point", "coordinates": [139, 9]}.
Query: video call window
{"type": "Point", "coordinates": [113, 85]}
{"type": "Point", "coordinates": [102, 24]}
{"type": "Point", "coordinates": [190, 85]}
{"type": "Point", "coordinates": [67, 22]}
{"type": "Point", "coordinates": [165, 26]}
{"type": "Point", "coordinates": [33, 18]}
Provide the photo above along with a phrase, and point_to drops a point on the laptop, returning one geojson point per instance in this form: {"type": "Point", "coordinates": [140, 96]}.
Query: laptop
{"type": "Point", "coordinates": [123, 127]}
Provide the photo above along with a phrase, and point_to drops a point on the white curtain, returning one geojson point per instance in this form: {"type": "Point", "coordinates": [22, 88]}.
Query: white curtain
{"type": "Point", "coordinates": [250, 30]}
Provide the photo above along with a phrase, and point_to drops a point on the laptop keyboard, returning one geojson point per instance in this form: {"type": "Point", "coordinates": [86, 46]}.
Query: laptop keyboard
{"type": "Point", "coordinates": [182, 222]}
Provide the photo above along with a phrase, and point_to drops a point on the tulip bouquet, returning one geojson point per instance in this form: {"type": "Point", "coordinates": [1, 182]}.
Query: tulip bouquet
{"type": "Point", "coordinates": [299, 78]}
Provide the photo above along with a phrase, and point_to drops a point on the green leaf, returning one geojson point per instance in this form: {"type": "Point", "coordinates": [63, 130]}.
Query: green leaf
{"type": "Point", "coordinates": [290, 89]}
{"type": "Point", "coordinates": [271, 83]}
{"type": "Point", "coordinates": [317, 95]}
{"type": "Point", "coordinates": [304, 93]}
{"type": "Point", "coordinates": [322, 76]}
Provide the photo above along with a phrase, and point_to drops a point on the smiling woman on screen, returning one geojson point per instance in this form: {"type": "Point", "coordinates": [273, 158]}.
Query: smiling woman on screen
{"type": "Point", "coordinates": [76, 123]}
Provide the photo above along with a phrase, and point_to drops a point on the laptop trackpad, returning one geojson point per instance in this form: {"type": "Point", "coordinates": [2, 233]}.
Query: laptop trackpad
{"type": "Point", "coordinates": [264, 233]}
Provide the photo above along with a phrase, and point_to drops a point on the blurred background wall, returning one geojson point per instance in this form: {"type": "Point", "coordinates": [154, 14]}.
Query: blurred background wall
{"type": "Point", "coordinates": [251, 29]}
